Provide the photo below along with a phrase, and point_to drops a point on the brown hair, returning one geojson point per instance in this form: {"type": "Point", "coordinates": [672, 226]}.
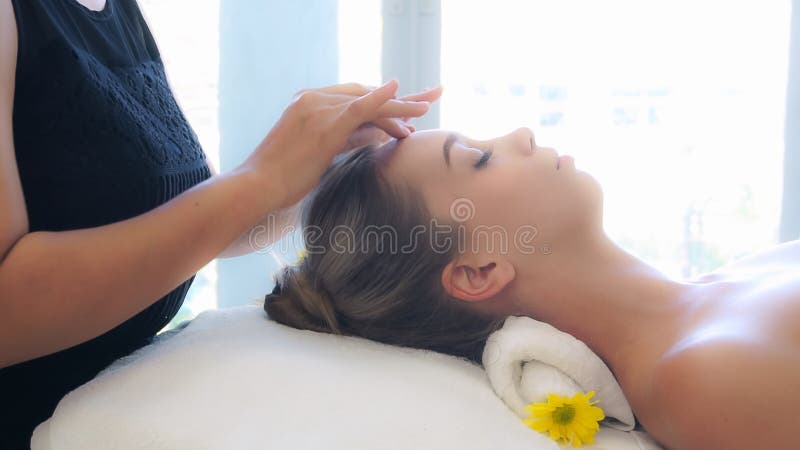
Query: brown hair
{"type": "Point", "coordinates": [357, 282]}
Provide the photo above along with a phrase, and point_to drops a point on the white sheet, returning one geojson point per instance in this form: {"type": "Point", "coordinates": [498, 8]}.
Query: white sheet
{"type": "Point", "coordinates": [233, 379]}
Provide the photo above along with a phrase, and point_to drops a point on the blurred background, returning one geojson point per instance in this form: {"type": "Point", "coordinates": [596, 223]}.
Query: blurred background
{"type": "Point", "coordinates": [685, 111]}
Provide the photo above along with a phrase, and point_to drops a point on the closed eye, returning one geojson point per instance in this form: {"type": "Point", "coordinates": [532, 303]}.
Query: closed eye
{"type": "Point", "coordinates": [484, 159]}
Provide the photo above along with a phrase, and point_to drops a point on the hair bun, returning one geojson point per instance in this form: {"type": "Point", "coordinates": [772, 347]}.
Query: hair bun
{"type": "Point", "coordinates": [276, 292]}
{"type": "Point", "coordinates": [300, 301]}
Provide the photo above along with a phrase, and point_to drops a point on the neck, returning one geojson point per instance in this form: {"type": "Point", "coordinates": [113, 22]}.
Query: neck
{"type": "Point", "coordinates": [602, 295]}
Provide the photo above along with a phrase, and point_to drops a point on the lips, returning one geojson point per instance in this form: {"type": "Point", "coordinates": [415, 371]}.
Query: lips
{"type": "Point", "coordinates": [563, 159]}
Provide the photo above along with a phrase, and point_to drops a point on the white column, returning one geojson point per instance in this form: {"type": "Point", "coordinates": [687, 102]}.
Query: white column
{"type": "Point", "coordinates": [269, 49]}
{"type": "Point", "coordinates": [411, 49]}
{"type": "Point", "coordinates": [790, 213]}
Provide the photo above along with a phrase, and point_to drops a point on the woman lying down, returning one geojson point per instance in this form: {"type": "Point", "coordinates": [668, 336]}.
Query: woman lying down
{"type": "Point", "coordinates": [432, 240]}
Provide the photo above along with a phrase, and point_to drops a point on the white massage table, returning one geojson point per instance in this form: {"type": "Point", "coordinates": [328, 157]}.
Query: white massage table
{"type": "Point", "coordinates": [233, 379]}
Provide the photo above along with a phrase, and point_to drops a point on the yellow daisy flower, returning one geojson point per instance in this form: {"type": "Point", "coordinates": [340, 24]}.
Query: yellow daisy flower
{"type": "Point", "coordinates": [301, 255]}
{"type": "Point", "coordinates": [568, 420]}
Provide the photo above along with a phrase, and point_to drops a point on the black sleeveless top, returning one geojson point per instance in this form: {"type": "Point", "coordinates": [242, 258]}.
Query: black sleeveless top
{"type": "Point", "coordinates": [99, 138]}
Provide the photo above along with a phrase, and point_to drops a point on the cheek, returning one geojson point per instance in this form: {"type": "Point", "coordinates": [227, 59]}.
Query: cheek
{"type": "Point", "coordinates": [521, 198]}
{"type": "Point", "coordinates": [504, 202]}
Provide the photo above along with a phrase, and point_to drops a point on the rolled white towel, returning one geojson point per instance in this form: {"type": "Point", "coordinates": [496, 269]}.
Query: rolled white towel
{"type": "Point", "coordinates": [527, 359]}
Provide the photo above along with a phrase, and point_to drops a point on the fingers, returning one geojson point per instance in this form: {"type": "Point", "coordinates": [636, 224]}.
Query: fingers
{"type": "Point", "coordinates": [359, 108]}
{"type": "Point", "coordinates": [358, 105]}
{"type": "Point", "coordinates": [358, 90]}
{"type": "Point", "coordinates": [391, 108]}
{"type": "Point", "coordinates": [368, 134]}
{"type": "Point", "coordinates": [353, 89]}
{"type": "Point", "coordinates": [429, 95]}
{"type": "Point", "coordinates": [336, 92]}
{"type": "Point", "coordinates": [399, 108]}
{"type": "Point", "coordinates": [395, 128]}
{"type": "Point", "coordinates": [379, 132]}
{"type": "Point", "coordinates": [365, 108]}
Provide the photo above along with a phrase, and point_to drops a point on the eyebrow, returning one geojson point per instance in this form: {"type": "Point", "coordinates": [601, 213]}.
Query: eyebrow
{"type": "Point", "coordinates": [451, 138]}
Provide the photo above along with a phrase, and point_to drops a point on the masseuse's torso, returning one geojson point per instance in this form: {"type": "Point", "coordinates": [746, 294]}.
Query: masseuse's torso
{"type": "Point", "coordinates": [753, 301]}
{"type": "Point", "coordinates": [98, 138]}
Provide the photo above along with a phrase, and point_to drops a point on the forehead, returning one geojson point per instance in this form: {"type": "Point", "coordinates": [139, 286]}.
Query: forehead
{"type": "Point", "coordinates": [417, 157]}
{"type": "Point", "coordinates": [420, 144]}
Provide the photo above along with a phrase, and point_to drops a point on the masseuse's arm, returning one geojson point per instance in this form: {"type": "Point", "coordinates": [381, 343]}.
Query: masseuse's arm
{"type": "Point", "coordinates": [265, 232]}
{"type": "Point", "coordinates": [58, 289]}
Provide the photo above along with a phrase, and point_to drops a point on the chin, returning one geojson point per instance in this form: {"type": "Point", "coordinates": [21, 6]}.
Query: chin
{"type": "Point", "coordinates": [592, 187]}
{"type": "Point", "coordinates": [591, 202]}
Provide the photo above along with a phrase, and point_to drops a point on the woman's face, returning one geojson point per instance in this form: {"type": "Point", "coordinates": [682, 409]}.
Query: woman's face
{"type": "Point", "coordinates": [518, 189]}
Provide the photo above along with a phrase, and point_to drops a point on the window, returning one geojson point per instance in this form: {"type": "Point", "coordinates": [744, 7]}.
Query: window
{"type": "Point", "coordinates": [360, 41]}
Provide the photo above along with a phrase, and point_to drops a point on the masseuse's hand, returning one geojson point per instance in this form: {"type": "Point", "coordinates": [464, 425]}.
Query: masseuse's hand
{"type": "Point", "coordinates": [313, 129]}
{"type": "Point", "coordinates": [373, 134]}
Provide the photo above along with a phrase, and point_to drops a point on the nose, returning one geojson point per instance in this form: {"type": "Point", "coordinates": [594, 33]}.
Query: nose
{"type": "Point", "coordinates": [522, 139]}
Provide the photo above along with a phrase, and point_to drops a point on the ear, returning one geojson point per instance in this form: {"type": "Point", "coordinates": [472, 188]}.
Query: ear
{"type": "Point", "coordinates": [473, 282]}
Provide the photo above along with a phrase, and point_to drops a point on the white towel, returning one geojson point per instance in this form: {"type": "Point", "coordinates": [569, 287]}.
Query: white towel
{"type": "Point", "coordinates": [527, 359]}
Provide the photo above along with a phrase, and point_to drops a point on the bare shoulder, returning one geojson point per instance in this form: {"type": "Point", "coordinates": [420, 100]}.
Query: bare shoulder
{"type": "Point", "coordinates": [727, 393]}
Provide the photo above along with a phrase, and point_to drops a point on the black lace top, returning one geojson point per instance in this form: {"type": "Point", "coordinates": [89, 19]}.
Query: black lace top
{"type": "Point", "coordinates": [99, 138]}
